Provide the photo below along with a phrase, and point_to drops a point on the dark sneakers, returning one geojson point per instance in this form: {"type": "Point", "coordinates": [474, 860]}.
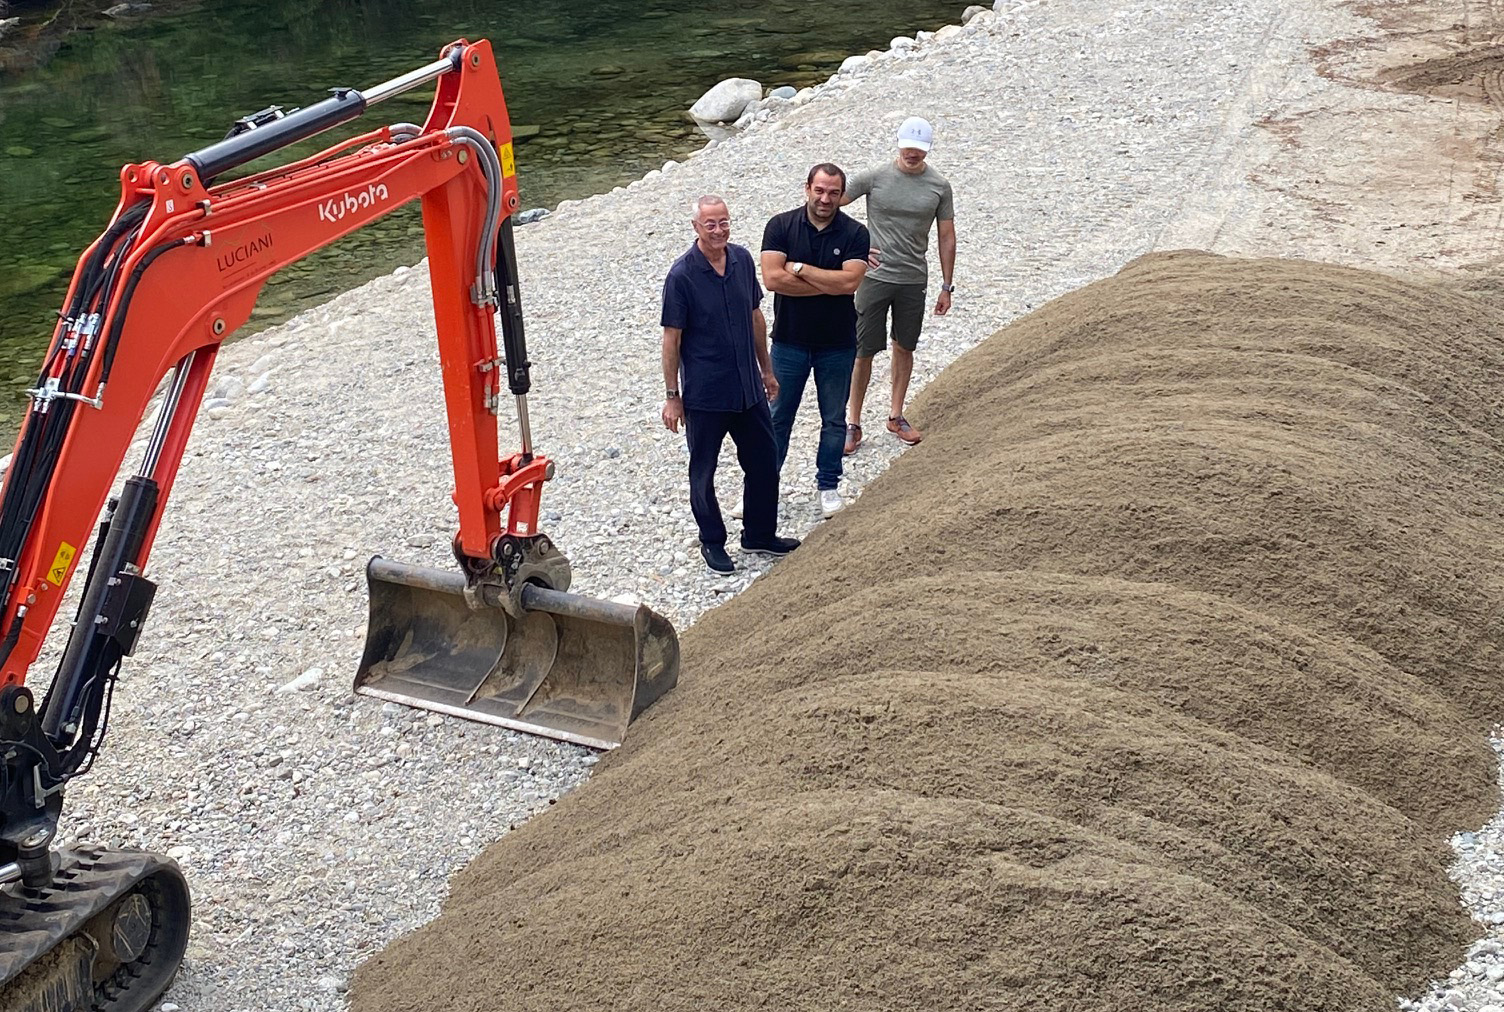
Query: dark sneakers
{"type": "Point", "coordinates": [775, 546]}
{"type": "Point", "coordinates": [716, 559]}
{"type": "Point", "coordinates": [718, 562]}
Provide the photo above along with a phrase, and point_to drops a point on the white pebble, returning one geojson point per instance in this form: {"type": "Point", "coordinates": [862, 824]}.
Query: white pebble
{"type": "Point", "coordinates": [306, 680]}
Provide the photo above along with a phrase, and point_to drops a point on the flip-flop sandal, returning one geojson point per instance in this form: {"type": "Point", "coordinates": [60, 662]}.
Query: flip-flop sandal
{"type": "Point", "coordinates": [853, 438]}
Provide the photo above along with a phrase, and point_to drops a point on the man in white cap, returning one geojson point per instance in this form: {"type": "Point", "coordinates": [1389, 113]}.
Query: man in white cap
{"type": "Point", "coordinates": [904, 198]}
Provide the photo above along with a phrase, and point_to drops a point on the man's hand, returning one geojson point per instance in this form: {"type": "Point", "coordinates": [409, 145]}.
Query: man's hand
{"type": "Point", "coordinates": [942, 304]}
{"type": "Point", "coordinates": [770, 385]}
{"type": "Point", "coordinates": [673, 413]}
{"type": "Point", "coordinates": [874, 258]}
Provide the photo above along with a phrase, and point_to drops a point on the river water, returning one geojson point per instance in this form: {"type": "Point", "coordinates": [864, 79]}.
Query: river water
{"type": "Point", "coordinates": [602, 87]}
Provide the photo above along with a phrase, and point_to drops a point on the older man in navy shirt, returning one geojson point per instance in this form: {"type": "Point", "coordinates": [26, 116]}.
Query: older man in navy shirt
{"type": "Point", "coordinates": [719, 378]}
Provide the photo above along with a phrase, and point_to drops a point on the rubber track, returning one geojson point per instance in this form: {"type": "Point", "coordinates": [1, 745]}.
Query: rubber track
{"type": "Point", "coordinates": [34, 921]}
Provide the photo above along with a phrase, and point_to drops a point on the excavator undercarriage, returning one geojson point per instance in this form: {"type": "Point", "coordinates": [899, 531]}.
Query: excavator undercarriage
{"type": "Point", "coordinates": [499, 639]}
{"type": "Point", "coordinates": [107, 933]}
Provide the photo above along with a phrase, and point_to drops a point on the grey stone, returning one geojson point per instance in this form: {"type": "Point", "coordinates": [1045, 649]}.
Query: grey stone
{"type": "Point", "coordinates": [125, 10]}
{"type": "Point", "coordinates": [725, 102]}
{"type": "Point", "coordinates": [306, 680]}
{"type": "Point", "coordinates": [228, 388]}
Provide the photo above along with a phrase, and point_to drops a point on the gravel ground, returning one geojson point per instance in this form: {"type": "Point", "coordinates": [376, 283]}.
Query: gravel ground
{"type": "Point", "coordinates": [314, 826]}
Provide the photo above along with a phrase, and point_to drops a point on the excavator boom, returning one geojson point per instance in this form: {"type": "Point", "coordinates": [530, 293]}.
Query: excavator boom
{"type": "Point", "coordinates": [178, 270]}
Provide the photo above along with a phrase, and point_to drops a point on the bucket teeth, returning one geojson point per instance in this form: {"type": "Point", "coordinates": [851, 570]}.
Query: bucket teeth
{"type": "Point", "coordinates": [571, 667]}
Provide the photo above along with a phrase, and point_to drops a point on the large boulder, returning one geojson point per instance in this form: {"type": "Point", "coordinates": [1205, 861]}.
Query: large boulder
{"type": "Point", "coordinates": [726, 101]}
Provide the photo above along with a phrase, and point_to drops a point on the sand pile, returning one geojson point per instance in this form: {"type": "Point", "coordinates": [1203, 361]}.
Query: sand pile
{"type": "Point", "coordinates": [1156, 677]}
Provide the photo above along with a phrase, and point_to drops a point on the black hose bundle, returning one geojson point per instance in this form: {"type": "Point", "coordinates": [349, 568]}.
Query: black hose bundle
{"type": "Point", "coordinates": [47, 423]}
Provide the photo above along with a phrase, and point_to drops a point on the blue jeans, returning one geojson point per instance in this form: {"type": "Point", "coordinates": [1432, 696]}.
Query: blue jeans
{"type": "Point", "coordinates": [832, 368]}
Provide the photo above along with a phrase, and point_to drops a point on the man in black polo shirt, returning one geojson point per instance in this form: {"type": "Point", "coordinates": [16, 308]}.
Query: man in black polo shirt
{"type": "Point", "coordinates": [715, 336]}
{"type": "Point", "coordinates": [813, 258]}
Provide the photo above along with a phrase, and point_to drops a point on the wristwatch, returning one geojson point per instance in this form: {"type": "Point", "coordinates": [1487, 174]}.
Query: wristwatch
{"type": "Point", "coordinates": [947, 288]}
{"type": "Point", "coordinates": [672, 394]}
{"type": "Point", "coordinates": [795, 268]}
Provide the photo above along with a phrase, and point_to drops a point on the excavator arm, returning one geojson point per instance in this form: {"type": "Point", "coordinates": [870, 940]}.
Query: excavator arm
{"type": "Point", "coordinates": [175, 274]}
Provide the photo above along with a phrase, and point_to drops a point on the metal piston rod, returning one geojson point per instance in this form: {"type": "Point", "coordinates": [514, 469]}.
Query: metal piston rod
{"type": "Point", "coordinates": [300, 124]}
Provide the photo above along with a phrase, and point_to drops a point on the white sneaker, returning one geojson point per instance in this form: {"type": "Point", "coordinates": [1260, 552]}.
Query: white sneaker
{"type": "Point", "coordinates": [830, 502]}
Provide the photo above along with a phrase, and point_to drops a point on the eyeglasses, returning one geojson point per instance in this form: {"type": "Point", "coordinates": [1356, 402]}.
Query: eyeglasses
{"type": "Point", "coordinates": [724, 225]}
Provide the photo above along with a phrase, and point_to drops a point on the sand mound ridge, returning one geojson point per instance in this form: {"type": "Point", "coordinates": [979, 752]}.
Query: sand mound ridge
{"type": "Point", "coordinates": [1156, 677]}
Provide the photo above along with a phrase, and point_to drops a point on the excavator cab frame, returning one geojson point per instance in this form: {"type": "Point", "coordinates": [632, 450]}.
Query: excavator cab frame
{"type": "Point", "coordinates": [176, 273]}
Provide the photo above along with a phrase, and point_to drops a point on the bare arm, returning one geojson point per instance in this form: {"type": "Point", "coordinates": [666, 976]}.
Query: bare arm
{"type": "Point", "coordinates": [776, 276]}
{"type": "Point", "coordinates": [673, 407]}
{"type": "Point", "coordinates": [948, 249]}
{"type": "Point", "coordinates": [947, 263]}
{"type": "Point", "coordinates": [842, 282]}
{"type": "Point", "coordinates": [760, 349]}
{"type": "Point", "coordinates": [760, 342]}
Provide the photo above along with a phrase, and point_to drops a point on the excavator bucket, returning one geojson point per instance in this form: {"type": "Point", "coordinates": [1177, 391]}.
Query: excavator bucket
{"type": "Point", "coordinates": [572, 667]}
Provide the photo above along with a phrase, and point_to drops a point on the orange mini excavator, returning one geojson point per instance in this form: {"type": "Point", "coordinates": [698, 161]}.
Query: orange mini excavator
{"type": "Point", "coordinates": [178, 270]}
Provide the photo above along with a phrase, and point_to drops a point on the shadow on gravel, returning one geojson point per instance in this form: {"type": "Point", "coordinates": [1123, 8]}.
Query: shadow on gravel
{"type": "Point", "coordinates": [1156, 677]}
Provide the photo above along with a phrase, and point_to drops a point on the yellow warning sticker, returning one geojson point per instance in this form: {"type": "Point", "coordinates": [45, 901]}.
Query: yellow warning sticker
{"type": "Point", "coordinates": [508, 163]}
{"type": "Point", "coordinates": [59, 568]}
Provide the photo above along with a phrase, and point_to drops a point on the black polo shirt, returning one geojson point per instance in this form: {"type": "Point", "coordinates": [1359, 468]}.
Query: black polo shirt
{"type": "Point", "coordinates": [815, 321]}
{"type": "Point", "coordinates": [714, 311]}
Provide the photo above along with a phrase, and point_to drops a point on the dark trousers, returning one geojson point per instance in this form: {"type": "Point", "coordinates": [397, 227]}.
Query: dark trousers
{"type": "Point", "coordinates": [831, 367]}
{"type": "Point", "coordinates": [752, 432]}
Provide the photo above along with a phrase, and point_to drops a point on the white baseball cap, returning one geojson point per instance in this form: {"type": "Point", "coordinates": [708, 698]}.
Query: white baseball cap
{"type": "Point", "coordinates": [916, 133]}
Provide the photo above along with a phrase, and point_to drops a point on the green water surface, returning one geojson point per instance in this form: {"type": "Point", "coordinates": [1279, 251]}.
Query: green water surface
{"type": "Point", "coordinates": [599, 89]}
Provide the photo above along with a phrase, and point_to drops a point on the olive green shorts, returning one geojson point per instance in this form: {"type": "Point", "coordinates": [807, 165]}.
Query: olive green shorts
{"type": "Point", "coordinates": [874, 301]}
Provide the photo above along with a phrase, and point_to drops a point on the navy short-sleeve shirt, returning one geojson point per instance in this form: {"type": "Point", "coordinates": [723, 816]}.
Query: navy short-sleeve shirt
{"type": "Point", "coordinates": [717, 363]}
{"type": "Point", "coordinates": [815, 321]}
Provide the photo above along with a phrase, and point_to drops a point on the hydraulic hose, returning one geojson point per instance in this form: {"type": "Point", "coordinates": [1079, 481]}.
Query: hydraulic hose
{"type": "Point", "coordinates": [47, 424]}
{"type": "Point", "coordinates": [485, 253]}
{"type": "Point", "coordinates": [490, 163]}
{"type": "Point", "coordinates": [117, 322]}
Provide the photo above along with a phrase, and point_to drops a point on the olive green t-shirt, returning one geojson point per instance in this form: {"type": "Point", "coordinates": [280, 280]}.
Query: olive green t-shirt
{"type": "Point", "coordinates": [900, 210]}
